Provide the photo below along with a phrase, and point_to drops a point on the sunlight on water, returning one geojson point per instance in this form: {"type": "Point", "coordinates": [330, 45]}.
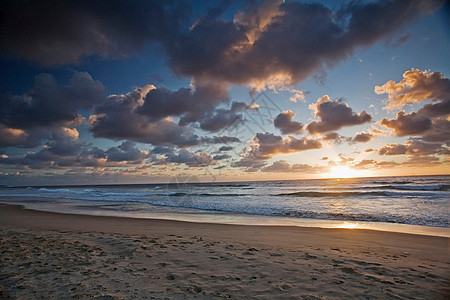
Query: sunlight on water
{"type": "Point", "coordinates": [390, 203]}
{"type": "Point", "coordinates": [347, 225]}
{"type": "Point", "coordinates": [346, 172]}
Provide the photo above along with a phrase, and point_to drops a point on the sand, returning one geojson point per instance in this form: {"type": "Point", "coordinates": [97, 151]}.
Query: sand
{"type": "Point", "coordinates": [50, 255]}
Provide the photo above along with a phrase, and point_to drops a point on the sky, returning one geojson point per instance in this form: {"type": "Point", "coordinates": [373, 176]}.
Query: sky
{"type": "Point", "coordinates": [115, 91]}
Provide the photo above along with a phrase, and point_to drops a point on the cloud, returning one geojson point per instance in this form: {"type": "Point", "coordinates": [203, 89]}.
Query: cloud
{"type": "Point", "coordinates": [64, 142]}
{"type": "Point", "coordinates": [430, 123]}
{"type": "Point", "coordinates": [408, 124]}
{"type": "Point", "coordinates": [126, 151]}
{"type": "Point", "coordinates": [283, 166]}
{"type": "Point", "coordinates": [64, 32]}
{"type": "Point", "coordinates": [223, 139]}
{"type": "Point", "coordinates": [26, 119]}
{"type": "Point", "coordinates": [267, 43]}
{"type": "Point", "coordinates": [226, 148]}
{"type": "Point", "coordinates": [189, 158]}
{"type": "Point", "coordinates": [268, 145]}
{"type": "Point", "coordinates": [50, 104]}
{"type": "Point", "coordinates": [415, 87]}
{"type": "Point", "coordinates": [413, 162]}
{"type": "Point", "coordinates": [277, 43]}
{"type": "Point", "coordinates": [12, 137]}
{"type": "Point", "coordinates": [249, 163]}
{"type": "Point", "coordinates": [220, 119]}
{"type": "Point", "coordinates": [331, 136]}
{"type": "Point", "coordinates": [362, 137]}
{"type": "Point", "coordinates": [117, 119]}
{"type": "Point", "coordinates": [221, 156]}
{"type": "Point", "coordinates": [190, 104]}
{"type": "Point", "coordinates": [440, 132]}
{"type": "Point", "coordinates": [414, 148]}
{"type": "Point", "coordinates": [63, 150]}
{"type": "Point", "coordinates": [283, 121]}
{"type": "Point", "coordinates": [334, 115]}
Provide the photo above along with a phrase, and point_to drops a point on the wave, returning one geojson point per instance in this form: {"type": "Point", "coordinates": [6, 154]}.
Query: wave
{"type": "Point", "coordinates": [103, 194]}
{"type": "Point", "coordinates": [393, 182]}
{"type": "Point", "coordinates": [354, 194]}
{"type": "Point", "coordinates": [331, 194]}
{"type": "Point", "coordinates": [429, 221]}
{"type": "Point", "coordinates": [79, 192]}
{"type": "Point", "coordinates": [433, 187]}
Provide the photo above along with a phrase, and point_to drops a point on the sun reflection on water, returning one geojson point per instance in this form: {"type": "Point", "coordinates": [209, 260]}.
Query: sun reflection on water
{"type": "Point", "coordinates": [348, 225]}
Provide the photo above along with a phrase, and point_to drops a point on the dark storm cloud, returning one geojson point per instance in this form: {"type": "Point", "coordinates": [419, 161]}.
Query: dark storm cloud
{"type": "Point", "coordinates": [284, 122]}
{"type": "Point", "coordinates": [13, 137]}
{"type": "Point", "coordinates": [117, 119]}
{"type": "Point", "coordinates": [64, 150]}
{"type": "Point", "coordinates": [62, 32]}
{"type": "Point", "coordinates": [278, 41]}
{"type": "Point", "coordinates": [190, 104]}
{"type": "Point", "coordinates": [46, 109]}
{"type": "Point", "coordinates": [285, 42]}
{"type": "Point", "coordinates": [334, 115]}
{"type": "Point", "coordinates": [131, 117]}
{"type": "Point", "coordinates": [126, 151]}
{"type": "Point", "coordinates": [221, 118]}
{"type": "Point", "coordinates": [50, 104]}
{"type": "Point", "coordinates": [64, 142]}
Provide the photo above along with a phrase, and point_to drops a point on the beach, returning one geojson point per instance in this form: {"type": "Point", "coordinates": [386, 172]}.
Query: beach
{"type": "Point", "coordinates": [52, 255]}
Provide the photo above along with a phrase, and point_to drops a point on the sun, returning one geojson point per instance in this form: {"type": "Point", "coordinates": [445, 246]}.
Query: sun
{"type": "Point", "coordinates": [345, 172]}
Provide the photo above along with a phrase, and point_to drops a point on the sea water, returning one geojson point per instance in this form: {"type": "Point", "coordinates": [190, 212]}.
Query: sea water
{"type": "Point", "coordinates": [391, 203]}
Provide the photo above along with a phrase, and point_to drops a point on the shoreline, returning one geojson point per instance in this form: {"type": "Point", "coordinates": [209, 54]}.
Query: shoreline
{"type": "Point", "coordinates": [54, 255]}
{"type": "Point", "coordinates": [237, 219]}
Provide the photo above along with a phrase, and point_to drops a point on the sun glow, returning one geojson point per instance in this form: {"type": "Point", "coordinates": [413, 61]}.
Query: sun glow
{"type": "Point", "coordinates": [346, 172]}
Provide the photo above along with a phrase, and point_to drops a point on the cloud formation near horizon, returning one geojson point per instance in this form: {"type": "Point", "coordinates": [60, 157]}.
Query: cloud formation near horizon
{"type": "Point", "coordinates": [431, 121]}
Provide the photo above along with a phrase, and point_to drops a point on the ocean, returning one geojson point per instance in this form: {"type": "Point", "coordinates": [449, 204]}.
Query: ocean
{"type": "Point", "coordinates": [415, 204]}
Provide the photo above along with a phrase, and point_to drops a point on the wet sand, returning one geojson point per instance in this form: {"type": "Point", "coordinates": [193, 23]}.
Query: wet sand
{"type": "Point", "coordinates": [51, 255]}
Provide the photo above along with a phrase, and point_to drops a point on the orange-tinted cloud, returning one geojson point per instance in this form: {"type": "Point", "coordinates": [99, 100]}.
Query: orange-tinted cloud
{"type": "Point", "coordinates": [414, 148]}
{"type": "Point", "coordinates": [268, 145]}
{"type": "Point", "coordinates": [283, 166]}
{"type": "Point", "coordinates": [415, 87]}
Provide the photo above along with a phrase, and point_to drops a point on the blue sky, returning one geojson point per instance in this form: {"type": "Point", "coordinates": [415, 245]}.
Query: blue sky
{"type": "Point", "coordinates": [137, 91]}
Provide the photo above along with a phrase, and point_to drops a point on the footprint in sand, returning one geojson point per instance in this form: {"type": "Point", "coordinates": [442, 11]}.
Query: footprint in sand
{"type": "Point", "coordinates": [285, 287]}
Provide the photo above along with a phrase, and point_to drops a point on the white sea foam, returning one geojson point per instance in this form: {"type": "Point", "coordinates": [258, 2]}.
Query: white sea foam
{"type": "Point", "coordinates": [409, 200]}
